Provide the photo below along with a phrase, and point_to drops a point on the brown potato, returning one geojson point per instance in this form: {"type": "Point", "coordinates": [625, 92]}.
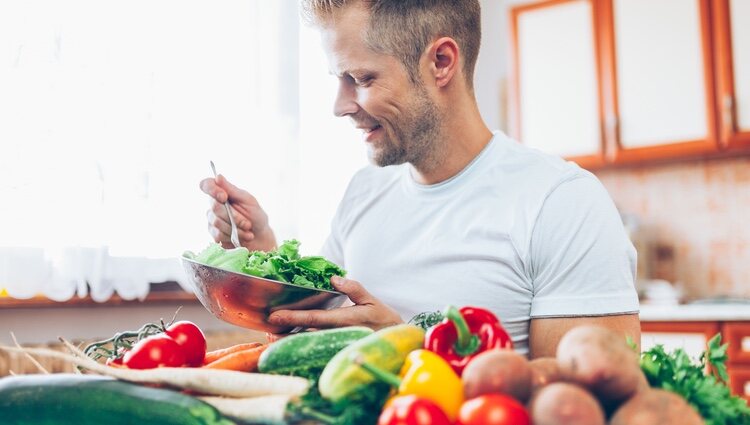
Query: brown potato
{"type": "Point", "coordinates": [601, 361]}
{"type": "Point", "coordinates": [656, 407]}
{"type": "Point", "coordinates": [561, 403]}
{"type": "Point", "coordinates": [544, 370]}
{"type": "Point", "coordinates": [498, 371]}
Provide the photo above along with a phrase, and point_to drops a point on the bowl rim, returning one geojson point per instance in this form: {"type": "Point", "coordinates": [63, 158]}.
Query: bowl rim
{"type": "Point", "coordinates": [245, 275]}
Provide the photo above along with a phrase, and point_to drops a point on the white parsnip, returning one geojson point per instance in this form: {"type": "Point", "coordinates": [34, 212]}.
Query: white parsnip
{"type": "Point", "coordinates": [270, 408]}
{"type": "Point", "coordinates": [205, 381]}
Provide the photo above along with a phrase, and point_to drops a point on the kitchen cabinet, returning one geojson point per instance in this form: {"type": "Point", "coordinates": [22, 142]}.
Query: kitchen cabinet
{"type": "Point", "coordinates": [555, 76]}
{"type": "Point", "coordinates": [737, 334]}
{"type": "Point", "coordinates": [671, 79]}
{"type": "Point", "coordinates": [693, 336]}
{"type": "Point", "coordinates": [690, 336]}
{"type": "Point", "coordinates": [659, 77]}
{"type": "Point", "coordinates": [732, 46]}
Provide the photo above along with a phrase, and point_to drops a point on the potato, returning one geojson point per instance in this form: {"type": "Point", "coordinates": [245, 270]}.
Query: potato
{"type": "Point", "coordinates": [498, 371]}
{"type": "Point", "coordinates": [562, 403]}
{"type": "Point", "coordinates": [656, 407]}
{"type": "Point", "coordinates": [544, 370]}
{"type": "Point", "coordinates": [601, 361]}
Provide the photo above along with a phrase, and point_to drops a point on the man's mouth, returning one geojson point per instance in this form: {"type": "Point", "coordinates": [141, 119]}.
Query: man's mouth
{"type": "Point", "coordinates": [368, 130]}
{"type": "Point", "coordinates": [370, 133]}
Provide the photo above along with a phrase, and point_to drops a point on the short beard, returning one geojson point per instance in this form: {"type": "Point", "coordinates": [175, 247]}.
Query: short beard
{"type": "Point", "coordinates": [419, 133]}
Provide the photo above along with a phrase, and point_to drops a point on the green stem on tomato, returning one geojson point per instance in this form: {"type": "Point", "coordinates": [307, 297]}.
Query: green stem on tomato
{"type": "Point", "coordinates": [466, 342]}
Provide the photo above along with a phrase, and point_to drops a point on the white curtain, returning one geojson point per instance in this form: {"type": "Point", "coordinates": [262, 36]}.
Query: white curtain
{"type": "Point", "coordinates": [109, 113]}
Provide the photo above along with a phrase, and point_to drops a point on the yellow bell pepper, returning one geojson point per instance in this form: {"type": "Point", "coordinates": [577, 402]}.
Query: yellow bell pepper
{"type": "Point", "coordinates": [425, 375]}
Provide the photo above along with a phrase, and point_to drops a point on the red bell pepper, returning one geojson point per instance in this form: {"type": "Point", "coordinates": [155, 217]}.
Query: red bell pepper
{"type": "Point", "coordinates": [465, 333]}
{"type": "Point", "coordinates": [412, 410]}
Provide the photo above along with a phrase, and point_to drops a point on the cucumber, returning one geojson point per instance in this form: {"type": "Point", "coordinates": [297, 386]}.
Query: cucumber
{"type": "Point", "coordinates": [90, 399]}
{"type": "Point", "coordinates": [301, 353]}
{"type": "Point", "coordinates": [386, 349]}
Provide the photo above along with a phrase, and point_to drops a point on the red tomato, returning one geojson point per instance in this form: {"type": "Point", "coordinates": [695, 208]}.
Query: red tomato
{"type": "Point", "coordinates": [411, 410]}
{"type": "Point", "coordinates": [189, 336]}
{"type": "Point", "coordinates": [493, 409]}
{"type": "Point", "coordinates": [154, 351]}
{"type": "Point", "coordinates": [114, 362]}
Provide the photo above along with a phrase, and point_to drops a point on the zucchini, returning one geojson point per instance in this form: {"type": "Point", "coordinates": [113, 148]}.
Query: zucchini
{"type": "Point", "coordinates": [92, 399]}
{"type": "Point", "coordinates": [301, 353]}
{"type": "Point", "coordinates": [386, 349]}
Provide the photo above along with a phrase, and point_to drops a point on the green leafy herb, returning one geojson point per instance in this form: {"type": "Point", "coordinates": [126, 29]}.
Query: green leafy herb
{"type": "Point", "coordinates": [710, 396]}
{"type": "Point", "coordinates": [284, 264]}
{"type": "Point", "coordinates": [427, 319]}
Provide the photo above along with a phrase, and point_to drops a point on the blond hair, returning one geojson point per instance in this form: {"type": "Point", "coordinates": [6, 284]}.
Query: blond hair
{"type": "Point", "coordinates": [404, 28]}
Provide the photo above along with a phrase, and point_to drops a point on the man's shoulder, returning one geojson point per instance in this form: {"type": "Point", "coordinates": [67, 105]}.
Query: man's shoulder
{"type": "Point", "coordinates": [525, 168]}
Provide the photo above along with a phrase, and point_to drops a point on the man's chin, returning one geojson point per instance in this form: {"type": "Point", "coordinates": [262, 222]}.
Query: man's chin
{"type": "Point", "coordinates": [380, 160]}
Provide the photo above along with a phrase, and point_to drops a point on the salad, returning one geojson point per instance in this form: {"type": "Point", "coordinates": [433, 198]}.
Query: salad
{"type": "Point", "coordinates": [284, 264]}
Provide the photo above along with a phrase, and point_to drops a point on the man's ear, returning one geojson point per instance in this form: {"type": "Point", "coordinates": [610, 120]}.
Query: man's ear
{"type": "Point", "coordinates": [443, 57]}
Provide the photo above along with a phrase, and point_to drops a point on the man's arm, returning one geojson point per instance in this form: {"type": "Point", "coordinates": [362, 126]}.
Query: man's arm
{"type": "Point", "coordinates": [545, 334]}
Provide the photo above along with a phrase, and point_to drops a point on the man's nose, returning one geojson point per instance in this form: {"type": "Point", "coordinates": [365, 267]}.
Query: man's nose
{"type": "Point", "coordinates": [346, 101]}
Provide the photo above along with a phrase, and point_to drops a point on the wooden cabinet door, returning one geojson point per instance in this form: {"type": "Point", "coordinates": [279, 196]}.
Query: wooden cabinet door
{"type": "Point", "coordinates": [692, 337]}
{"type": "Point", "coordinates": [737, 335]}
{"type": "Point", "coordinates": [554, 79]}
{"type": "Point", "coordinates": [739, 380]}
{"type": "Point", "coordinates": [658, 79]}
{"type": "Point", "coordinates": [732, 41]}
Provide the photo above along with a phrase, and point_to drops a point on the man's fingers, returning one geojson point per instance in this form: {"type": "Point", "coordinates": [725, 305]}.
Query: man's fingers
{"type": "Point", "coordinates": [210, 188]}
{"type": "Point", "coordinates": [311, 318]}
{"type": "Point", "coordinates": [235, 193]}
{"type": "Point", "coordinates": [353, 289]}
{"type": "Point", "coordinates": [220, 229]}
{"type": "Point", "coordinates": [219, 212]}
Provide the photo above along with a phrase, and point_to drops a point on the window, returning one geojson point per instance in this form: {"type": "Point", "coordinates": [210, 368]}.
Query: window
{"type": "Point", "coordinates": [109, 114]}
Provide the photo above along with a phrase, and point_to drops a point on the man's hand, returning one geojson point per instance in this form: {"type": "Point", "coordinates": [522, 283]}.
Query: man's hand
{"type": "Point", "coordinates": [252, 221]}
{"type": "Point", "coordinates": [367, 311]}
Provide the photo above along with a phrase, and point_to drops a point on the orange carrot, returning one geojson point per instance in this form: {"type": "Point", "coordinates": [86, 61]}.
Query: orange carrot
{"type": "Point", "coordinates": [214, 355]}
{"type": "Point", "coordinates": [245, 360]}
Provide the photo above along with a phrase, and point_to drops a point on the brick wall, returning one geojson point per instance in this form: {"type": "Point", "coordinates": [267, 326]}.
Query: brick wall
{"type": "Point", "coordinates": [699, 212]}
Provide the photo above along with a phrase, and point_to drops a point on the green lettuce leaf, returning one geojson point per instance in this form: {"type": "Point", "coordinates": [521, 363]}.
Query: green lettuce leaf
{"type": "Point", "coordinates": [215, 255]}
{"type": "Point", "coordinates": [284, 264]}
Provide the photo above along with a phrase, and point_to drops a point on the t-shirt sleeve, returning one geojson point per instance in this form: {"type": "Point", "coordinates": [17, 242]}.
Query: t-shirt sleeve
{"type": "Point", "coordinates": [332, 249]}
{"type": "Point", "coordinates": [581, 260]}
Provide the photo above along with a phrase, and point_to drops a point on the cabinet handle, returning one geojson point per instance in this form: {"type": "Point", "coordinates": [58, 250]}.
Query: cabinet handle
{"type": "Point", "coordinates": [726, 112]}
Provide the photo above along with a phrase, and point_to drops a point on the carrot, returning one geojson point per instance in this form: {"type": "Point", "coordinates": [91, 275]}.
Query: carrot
{"type": "Point", "coordinates": [227, 383]}
{"type": "Point", "coordinates": [243, 361]}
{"type": "Point", "coordinates": [214, 355]}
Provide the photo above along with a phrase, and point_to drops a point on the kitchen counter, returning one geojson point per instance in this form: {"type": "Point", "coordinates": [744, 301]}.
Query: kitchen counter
{"type": "Point", "coordinates": [695, 312]}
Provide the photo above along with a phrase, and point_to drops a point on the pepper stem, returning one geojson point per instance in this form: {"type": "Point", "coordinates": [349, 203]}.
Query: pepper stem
{"type": "Point", "coordinates": [378, 373]}
{"type": "Point", "coordinates": [466, 343]}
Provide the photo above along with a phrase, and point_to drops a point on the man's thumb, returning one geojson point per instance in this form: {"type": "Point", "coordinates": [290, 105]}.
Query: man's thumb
{"type": "Point", "coordinates": [351, 288]}
{"type": "Point", "coordinates": [233, 192]}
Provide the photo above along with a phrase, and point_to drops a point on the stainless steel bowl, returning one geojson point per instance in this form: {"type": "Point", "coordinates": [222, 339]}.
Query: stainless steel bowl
{"type": "Point", "coordinates": [247, 301]}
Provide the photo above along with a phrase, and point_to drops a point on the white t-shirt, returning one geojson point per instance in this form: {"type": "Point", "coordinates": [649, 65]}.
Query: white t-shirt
{"type": "Point", "coordinates": [522, 233]}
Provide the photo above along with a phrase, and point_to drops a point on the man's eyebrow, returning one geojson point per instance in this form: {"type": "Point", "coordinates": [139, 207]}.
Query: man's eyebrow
{"type": "Point", "coordinates": [356, 71]}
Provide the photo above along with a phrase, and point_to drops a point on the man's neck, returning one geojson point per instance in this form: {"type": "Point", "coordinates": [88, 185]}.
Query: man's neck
{"type": "Point", "coordinates": [462, 139]}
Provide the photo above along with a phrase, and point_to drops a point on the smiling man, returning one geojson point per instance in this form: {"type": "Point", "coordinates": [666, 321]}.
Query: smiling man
{"type": "Point", "coordinates": [449, 212]}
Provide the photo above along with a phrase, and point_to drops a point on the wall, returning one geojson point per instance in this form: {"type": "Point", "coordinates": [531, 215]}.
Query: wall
{"type": "Point", "coordinates": [700, 209]}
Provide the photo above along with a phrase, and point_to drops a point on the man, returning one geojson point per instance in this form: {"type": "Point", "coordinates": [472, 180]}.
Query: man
{"type": "Point", "coordinates": [451, 212]}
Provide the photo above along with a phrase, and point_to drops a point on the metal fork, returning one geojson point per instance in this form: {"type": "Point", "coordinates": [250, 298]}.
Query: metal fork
{"type": "Point", "coordinates": [235, 238]}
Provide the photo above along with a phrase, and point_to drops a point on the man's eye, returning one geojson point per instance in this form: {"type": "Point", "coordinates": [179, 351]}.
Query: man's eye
{"type": "Point", "coordinates": [363, 81]}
